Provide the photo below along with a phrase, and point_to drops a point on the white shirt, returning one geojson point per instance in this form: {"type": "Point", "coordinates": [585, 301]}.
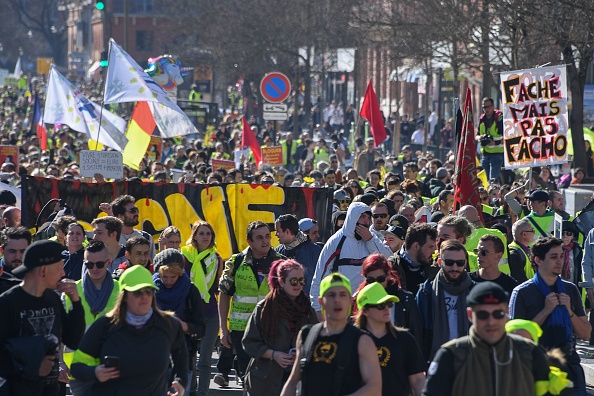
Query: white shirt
{"type": "Point", "coordinates": [418, 137]}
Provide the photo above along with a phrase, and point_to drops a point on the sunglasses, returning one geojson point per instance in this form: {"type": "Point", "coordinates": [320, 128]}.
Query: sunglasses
{"type": "Point", "coordinates": [381, 306]}
{"type": "Point", "coordinates": [484, 315]}
{"type": "Point", "coordinates": [380, 216]}
{"type": "Point", "coordinates": [567, 233]}
{"type": "Point", "coordinates": [450, 262]}
{"type": "Point", "coordinates": [529, 231]}
{"type": "Point", "coordinates": [149, 291]}
{"type": "Point", "coordinates": [296, 281]}
{"type": "Point", "coordinates": [267, 181]}
{"type": "Point", "coordinates": [99, 264]}
{"type": "Point", "coordinates": [379, 279]}
{"type": "Point", "coordinates": [482, 252]}
{"type": "Point", "coordinates": [346, 200]}
{"type": "Point", "coordinates": [132, 210]}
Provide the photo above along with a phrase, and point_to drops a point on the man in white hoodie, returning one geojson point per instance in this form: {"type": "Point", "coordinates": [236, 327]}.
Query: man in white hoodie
{"type": "Point", "coordinates": [346, 249]}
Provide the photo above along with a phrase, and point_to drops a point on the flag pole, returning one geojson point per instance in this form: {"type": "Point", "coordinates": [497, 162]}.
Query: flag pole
{"type": "Point", "coordinates": [103, 92]}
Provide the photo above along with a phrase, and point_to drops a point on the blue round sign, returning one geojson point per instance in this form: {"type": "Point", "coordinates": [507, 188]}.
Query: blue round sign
{"type": "Point", "coordinates": [275, 87]}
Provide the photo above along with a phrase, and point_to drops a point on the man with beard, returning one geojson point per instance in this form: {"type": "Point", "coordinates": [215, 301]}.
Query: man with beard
{"type": "Point", "coordinates": [124, 208]}
{"type": "Point", "coordinates": [15, 241]}
{"type": "Point", "coordinates": [413, 263]}
{"type": "Point", "coordinates": [442, 302]}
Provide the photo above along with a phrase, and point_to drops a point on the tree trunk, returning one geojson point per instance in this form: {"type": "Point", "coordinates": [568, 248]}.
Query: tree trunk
{"type": "Point", "coordinates": [576, 115]}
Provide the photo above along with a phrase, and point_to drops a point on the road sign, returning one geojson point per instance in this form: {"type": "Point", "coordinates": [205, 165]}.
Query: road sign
{"type": "Point", "coordinates": [275, 87]}
{"type": "Point", "coordinates": [275, 116]}
{"type": "Point", "coordinates": [275, 108]}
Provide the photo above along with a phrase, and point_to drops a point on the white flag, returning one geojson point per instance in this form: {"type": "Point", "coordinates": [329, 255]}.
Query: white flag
{"type": "Point", "coordinates": [126, 81]}
{"type": "Point", "coordinates": [18, 69]}
{"type": "Point", "coordinates": [65, 104]}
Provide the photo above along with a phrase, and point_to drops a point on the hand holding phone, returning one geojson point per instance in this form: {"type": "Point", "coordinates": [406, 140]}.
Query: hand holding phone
{"type": "Point", "coordinates": [112, 362]}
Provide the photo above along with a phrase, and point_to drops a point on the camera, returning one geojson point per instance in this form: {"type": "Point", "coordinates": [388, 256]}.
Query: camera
{"type": "Point", "coordinates": [485, 140]}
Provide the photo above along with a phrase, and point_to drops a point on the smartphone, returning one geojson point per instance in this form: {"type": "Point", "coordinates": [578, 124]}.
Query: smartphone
{"type": "Point", "coordinates": [111, 362]}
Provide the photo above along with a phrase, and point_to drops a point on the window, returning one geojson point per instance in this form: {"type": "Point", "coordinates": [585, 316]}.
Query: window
{"type": "Point", "coordinates": [144, 41]}
{"type": "Point", "coordinates": [134, 6]}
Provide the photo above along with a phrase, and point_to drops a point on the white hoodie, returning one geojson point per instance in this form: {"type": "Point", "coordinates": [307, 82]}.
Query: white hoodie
{"type": "Point", "coordinates": [351, 248]}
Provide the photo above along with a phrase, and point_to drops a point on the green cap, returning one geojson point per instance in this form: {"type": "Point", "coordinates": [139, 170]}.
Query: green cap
{"type": "Point", "coordinates": [334, 279]}
{"type": "Point", "coordinates": [522, 324]}
{"type": "Point", "coordinates": [137, 278]}
{"type": "Point", "coordinates": [374, 294]}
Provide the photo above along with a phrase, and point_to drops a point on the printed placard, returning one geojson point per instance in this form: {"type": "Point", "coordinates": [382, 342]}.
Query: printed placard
{"type": "Point", "coordinates": [272, 155]}
{"type": "Point", "coordinates": [108, 163]}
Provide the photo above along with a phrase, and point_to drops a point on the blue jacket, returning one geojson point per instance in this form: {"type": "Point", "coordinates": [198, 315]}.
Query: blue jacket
{"type": "Point", "coordinates": [307, 254]}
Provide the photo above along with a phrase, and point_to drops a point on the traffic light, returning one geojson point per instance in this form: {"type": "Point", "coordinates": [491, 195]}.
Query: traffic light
{"type": "Point", "coordinates": [104, 61]}
{"type": "Point", "coordinates": [100, 5]}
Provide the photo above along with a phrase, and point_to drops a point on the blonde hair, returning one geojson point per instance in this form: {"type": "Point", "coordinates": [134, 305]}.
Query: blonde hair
{"type": "Point", "coordinates": [195, 228]}
{"type": "Point", "coordinates": [174, 269]}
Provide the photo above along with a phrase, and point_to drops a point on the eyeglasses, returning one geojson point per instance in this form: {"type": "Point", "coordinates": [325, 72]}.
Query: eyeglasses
{"type": "Point", "coordinates": [381, 306]}
{"type": "Point", "coordinates": [379, 279]}
{"type": "Point", "coordinates": [132, 210]}
{"type": "Point", "coordinates": [295, 281]}
{"type": "Point", "coordinates": [567, 233]}
{"type": "Point", "coordinates": [346, 200]}
{"type": "Point", "coordinates": [267, 181]}
{"type": "Point", "coordinates": [529, 231]}
{"type": "Point", "coordinates": [99, 264]}
{"type": "Point", "coordinates": [380, 215]}
{"type": "Point", "coordinates": [482, 252]}
{"type": "Point", "coordinates": [484, 315]}
{"type": "Point", "coordinates": [450, 262]}
{"type": "Point", "coordinates": [149, 291]}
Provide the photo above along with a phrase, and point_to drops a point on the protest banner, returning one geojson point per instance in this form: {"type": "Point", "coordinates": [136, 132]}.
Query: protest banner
{"type": "Point", "coordinates": [535, 119]}
{"type": "Point", "coordinates": [272, 156]}
{"type": "Point", "coordinates": [229, 208]}
{"type": "Point", "coordinates": [222, 164]}
{"type": "Point", "coordinates": [108, 163]}
{"type": "Point", "coordinates": [9, 154]}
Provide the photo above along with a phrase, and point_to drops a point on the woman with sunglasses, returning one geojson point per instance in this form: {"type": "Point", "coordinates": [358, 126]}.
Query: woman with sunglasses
{"type": "Point", "coordinates": [177, 294]}
{"type": "Point", "coordinates": [204, 267]}
{"type": "Point", "coordinates": [272, 330]}
{"type": "Point", "coordinates": [73, 257]}
{"type": "Point", "coordinates": [129, 350]}
{"type": "Point", "coordinates": [401, 360]}
{"type": "Point", "coordinates": [377, 269]}
{"type": "Point", "coordinates": [572, 254]}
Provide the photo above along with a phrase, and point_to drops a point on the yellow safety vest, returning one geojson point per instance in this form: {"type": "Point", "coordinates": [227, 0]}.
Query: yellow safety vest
{"type": "Point", "coordinates": [494, 133]}
{"type": "Point", "coordinates": [528, 270]}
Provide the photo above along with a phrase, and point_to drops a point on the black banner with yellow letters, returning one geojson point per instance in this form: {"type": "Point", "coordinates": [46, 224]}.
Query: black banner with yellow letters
{"type": "Point", "coordinates": [229, 208]}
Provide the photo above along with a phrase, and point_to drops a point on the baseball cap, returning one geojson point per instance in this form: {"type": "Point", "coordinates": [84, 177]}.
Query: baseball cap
{"type": "Point", "coordinates": [441, 173]}
{"type": "Point", "coordinates": [38, 254]}
{"type": "Point", "coordinates": [374, 294]}
{"type": "Point", "coordinates": [400, 220]}
{"type": "Point", "coordinates": [340, 195]}
{"type": "Point", "coordinates": [522, 324]}
{"type": "Point", "coordinates": [7, 198]}
{"type": "Point", "coordinates": [368, 198]}
{"type": "Point", "coordinates": [137, 278]}
{"type": "Point", "coordinates": [487, 293]}
{"type": "Point", "coordinates": [395, 230]}
{"type": "Point", "coordinates": [538, 195]}
{"type": "Point", "coordinates": [307, 224]}
{"type": "Point", "coordinates": [406, 147]}
{"type": "Point", "coordinates": [168, 257]}
{"type": "Point", "coordinates": [334, 279]}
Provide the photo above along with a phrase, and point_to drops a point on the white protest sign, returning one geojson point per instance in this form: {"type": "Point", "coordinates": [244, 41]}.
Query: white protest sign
{"type": "Point", "coordinates": [108, 163]}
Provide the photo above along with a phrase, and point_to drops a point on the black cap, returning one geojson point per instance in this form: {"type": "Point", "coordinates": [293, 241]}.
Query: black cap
{"type": "Point", "coordinates": [398, 231]}
{"type": "Point", "coordinates": [368, 198]}
{"type": "Point", "coordinates": [538, 195]}
{"type": "Point", "coordinates": [7, 198]}
{"type": "Point", "coordinates": [288, 176]}
{"type": "Point", "coordinates": [487, 293]}
{"type": "Point", "coordinates": [168, 257]}
{"type": "Point", "coordinates": [400, 219]}
{"type": "Point", "coordinates": [38, 254]}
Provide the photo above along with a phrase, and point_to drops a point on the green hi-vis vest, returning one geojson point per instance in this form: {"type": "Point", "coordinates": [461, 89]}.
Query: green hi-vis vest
{"type": "Point", "coordinates": [494, 133]}
{"type": "Point", "coordinates": [473, 262]}
{"type": "Point", "coordinates": [206, 259]}
{"type": "Point", "coordinates": [322, 155]}
{"type": "Point", "coordinates": [246, 296]}
{"type": "Point", "coordinates": [473, 240]}
{"type": "Point", "coordinates": [544, 222]}
{"type": "Point", "coordinates": [488, 209]}
{"type": "Point", "coordinates": [90, 318]}
{"type": "Point", "coordinates": [290, 152]}
{"type": "Point", "coordinates": [528, 270]}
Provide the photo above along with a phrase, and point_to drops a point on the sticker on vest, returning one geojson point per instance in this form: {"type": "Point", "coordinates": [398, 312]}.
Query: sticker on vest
{"type": "Point", "coordinates": [325, 352]}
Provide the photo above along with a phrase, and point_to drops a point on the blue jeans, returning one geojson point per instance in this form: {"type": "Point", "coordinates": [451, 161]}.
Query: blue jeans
{"type": "Point", "coordinates": [492, 164]}
{"type": "Point", "coordinates": [207, 343]}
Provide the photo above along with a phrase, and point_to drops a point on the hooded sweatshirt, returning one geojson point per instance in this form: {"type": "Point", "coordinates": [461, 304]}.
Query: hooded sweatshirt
{"type": "Point", "coordinates": [351, 248]}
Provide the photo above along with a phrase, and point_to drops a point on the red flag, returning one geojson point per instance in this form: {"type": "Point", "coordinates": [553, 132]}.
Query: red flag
{"type": "Point", "coordinates": [38, 124]}
{"type": "Point", "coordinates": [248, 139]}
{"type": "Point", "coordinates": [370, 110]}
{"type": "Point", "coordinates": [466, 179]}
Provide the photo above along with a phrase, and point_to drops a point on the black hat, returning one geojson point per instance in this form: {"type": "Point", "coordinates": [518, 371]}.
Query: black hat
{"type": "Point", "coordinates": [538, 195]}
{"type": "Point", "coordinates": [288, 176]}
{"type": "Point", "coordinates": [368, 198]}
{"type": "Point", "coordinates": [487, 293]}
{"type": "Point", "coordinates": [7, 198]}
{"type": "Point", "coordinates": [398, 231]}
{"type": "Point", "coordinates": [167, 257]}
{"type": "Point", "coordinates": [38, 254]}
{"type": "Point", "coordinates": [402, 221]}
{"type": "Point", "coordinates": [569, 226]}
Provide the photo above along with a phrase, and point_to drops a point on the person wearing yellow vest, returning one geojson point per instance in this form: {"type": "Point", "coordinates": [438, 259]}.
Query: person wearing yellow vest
{"type": "Point", "coordinates": [490, 135]}
{"type": "Point", "coordinates": [289, 146]}
{"type": "Point", "coordinates": [519, 251]}
{"type": "Point", "coordinates": [459, 228]}
{"type": "Point", "coordinates": [540, 217]}
{"type": "Point", "coordinates": [322, 153]}
{"type": "Point", "coordinates": [98, 293]}
{"type": "Point", "coordinates": [242, 284]}
{"type": "Point", "coordinates": [204, 267]}
{"type": "Point", "coordinates": [195, 95]}
{"type": "Point", "coordinates": [489, 251]}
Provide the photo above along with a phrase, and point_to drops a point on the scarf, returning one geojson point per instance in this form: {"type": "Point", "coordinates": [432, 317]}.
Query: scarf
{"type": "Point", "coordinates": [204, 268]}
{"type": "Point", "coordinates": [173, 298]}
{"type": "Point", "coordinates": [299, 239]}
{"type": "Point", "coordinates": [97, 298]}
{"type": "Point", "coordinates": [277, 303]}
{"type": "Point", "coordinates": [566, 271]}
{"type": "Point", "coordinates": [441, 328]}
{"type": "Point", "coordinates": [559, 318]}
{"type": "Point", "coordinates": [138, 320]}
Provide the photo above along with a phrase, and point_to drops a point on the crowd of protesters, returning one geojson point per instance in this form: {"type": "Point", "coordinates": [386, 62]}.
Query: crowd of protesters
{"type": "Point", "coordinates": [428, 286]}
